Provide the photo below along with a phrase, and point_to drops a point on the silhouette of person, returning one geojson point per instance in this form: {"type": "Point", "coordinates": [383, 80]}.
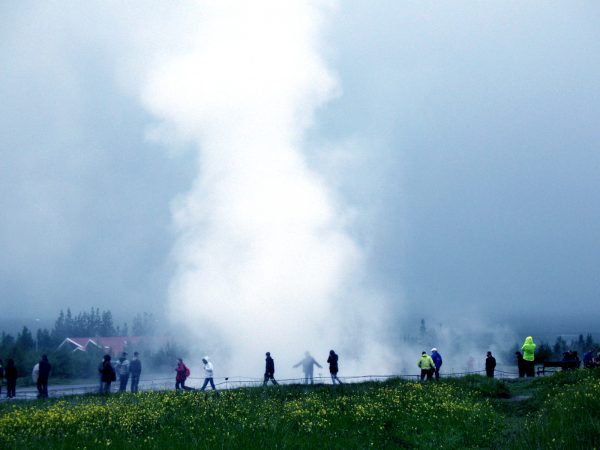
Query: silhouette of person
{"type": "Point", "coordinates": [308, 363]}
{"type": "Point", "coordinates": [490, 365]}
{"type": "Point", "coordinates": [107, 375]}
{"type": "Point", "coordinates": [11, 376]}
{"type": "Point", "coordinates": [44, 369]}
{"type": "Point", "coordinates": [269, 370]}
{"type": "Point", "coordinates": [135, 369]}
{"type": "Point", "coordinates": [333, 366]}
{"type": "Point", "coordinates": [520, 364]}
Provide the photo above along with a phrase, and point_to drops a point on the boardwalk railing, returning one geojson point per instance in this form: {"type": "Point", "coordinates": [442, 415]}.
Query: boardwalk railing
{"type": "Point", "coordinates": [234, 382]}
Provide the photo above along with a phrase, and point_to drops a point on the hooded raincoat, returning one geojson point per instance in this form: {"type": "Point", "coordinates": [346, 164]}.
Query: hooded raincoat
{"type": "Point", "coordinates": [528, 349]}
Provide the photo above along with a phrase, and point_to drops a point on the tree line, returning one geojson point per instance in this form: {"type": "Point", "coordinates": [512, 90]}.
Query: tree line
{"type": "Point", "coordinates": [26, 349]}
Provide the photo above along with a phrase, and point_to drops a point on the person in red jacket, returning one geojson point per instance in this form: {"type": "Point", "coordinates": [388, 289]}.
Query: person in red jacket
{"type": "Point", "coordinates": [182, 373]}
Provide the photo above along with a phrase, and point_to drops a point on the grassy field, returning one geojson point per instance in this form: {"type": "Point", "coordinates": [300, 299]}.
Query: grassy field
{"type": "Point", "coordinates": [561, 411]}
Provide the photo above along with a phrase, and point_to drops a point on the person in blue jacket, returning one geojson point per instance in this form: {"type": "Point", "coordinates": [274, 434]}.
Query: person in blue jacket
{"type": "Point", "coordinates": [437, 360]}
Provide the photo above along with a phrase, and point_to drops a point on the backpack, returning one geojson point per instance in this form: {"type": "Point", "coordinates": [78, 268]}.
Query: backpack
{"type": "Point", "coordinates": [187, 372]}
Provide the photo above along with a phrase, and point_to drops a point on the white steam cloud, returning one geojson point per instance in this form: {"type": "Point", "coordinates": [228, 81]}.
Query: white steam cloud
{"type": "Point", "coordinates": [264, 259]}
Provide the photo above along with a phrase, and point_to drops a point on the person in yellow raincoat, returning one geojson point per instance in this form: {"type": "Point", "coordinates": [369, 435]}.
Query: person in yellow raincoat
{"type": "Point", "coordinates": [529, 356]}
{"type": "Point", "coordinates": [427, 366]}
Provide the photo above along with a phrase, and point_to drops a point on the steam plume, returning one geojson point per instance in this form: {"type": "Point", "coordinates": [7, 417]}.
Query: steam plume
{"type": "Point", "coordinates": [264, 261]}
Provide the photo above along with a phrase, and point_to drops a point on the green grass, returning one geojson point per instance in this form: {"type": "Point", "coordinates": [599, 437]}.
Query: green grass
{"type": "Point", "coordinates": [561, 411]}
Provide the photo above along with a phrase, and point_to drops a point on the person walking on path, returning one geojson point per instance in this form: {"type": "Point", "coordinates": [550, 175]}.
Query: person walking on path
{"type": "Point", "coordinates": [427, 366]}
{"type": "Point", "coordinates": [107, 375]}
{"type": "Point", "coordinates": [11, 376]}
{"type": "Point", "coordinates": [308, 363]}
{"type": "Point", "coordinates": [1, 376]}
{"type": "Point", "coordinates": [490, 365]}
{"type": "Point", "coordinates": [135, 370]}
{"type": "Point", "coordinates": [333, 366]}
{"type": "Point", "coordinates": [122, 368]}
{"type": "Point", "coordinates": [208, 374]}
{"type": "Point", "coordinates": [529, 356]}
{"type": "Point", "coordinates": [269, 370]}
{"type": "Point", "coordinates": [437, 360]}
{"type": "Point", "coordinates": [182, 373]}
{"type": "Point", "coordinates": [44, 368]}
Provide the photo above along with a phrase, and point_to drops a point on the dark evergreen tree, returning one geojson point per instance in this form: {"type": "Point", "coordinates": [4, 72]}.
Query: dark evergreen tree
{"type": "Point", "coordinates": [59, 333]}
{"type": "Point", "coordinates": [589, 342]}
{"type": "Point", "coordinates": [107, 327]}
{"type": "Point", "coordinates": [560, 346]}
{"type": "Point", "coordinates": [44, 340]}
{"type": "Point", "coordinates": [25, 342]}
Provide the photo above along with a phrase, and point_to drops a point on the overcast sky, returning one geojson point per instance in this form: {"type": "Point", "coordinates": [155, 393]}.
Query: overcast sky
{"type": "Point", "coordinates": [464, 140]}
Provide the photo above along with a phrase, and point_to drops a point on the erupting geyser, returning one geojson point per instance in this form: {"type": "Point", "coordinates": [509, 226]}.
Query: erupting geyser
{"type": "Point", "coordinates": [264, 258]}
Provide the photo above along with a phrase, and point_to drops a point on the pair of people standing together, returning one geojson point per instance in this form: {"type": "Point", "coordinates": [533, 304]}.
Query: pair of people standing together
{"type": "Point", "coordinates": [307, 363]}
{"type": "Point", "coordinates": [430, 365]}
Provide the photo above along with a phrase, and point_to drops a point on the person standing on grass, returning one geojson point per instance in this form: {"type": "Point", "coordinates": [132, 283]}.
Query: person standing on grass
{"type": "Point", "coordinates": [427, 366]}
{"type": "Point", "coordinates": [11, 376]}
{"type": "Point", "coordinates": [107, 375]}
{"type": "Point", "coordinates": [529, 356]}
{"type": "Point", "coordinates": [208, 374]}
{"type": "Point", "coordinates": [122, 368]}
{"type": "Point", "coordinates": [333, 366]}
{"type": "Point", "coordinates": [520, 364]}
{"type": "Point", "coordinates": [135, 370]}
{"type": "Point", "coordinates": [490, 365]}
{"type": "Point", "coordinates": [44, 368]}
{"type": "Point", "coordinates": [269, 370]}
{"type": "Point", "coordinates": [308, 363]}
{"type": "Point", "coordinates": [182, 373]}
{"type": "Point", "coordinates": [437, 360]}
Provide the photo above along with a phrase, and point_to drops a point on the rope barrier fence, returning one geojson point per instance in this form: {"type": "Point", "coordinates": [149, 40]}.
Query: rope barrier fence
{"type": "Point", "coordinates": [236, 382]}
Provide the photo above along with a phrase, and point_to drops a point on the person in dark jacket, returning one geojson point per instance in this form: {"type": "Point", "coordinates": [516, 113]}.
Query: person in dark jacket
{"type": "Point", "coordinates": [135, 370]}
{"type": "Point", "coordinates": [520, 364]}
{"type": "Point", "coordinates": [333, 366]}
{"type": "Point", "coordinates": [490, 365]}
{"type": "Point", "coordinates": [11, 375]}
{"type": "Point", "coordinates": [107, 375]}
{"type": "Point", "coordinates": [43, 375]}
{"type": "Point", "coordinates": [437, 360]}
{"type": "Point", "coordinates": [269, 370]}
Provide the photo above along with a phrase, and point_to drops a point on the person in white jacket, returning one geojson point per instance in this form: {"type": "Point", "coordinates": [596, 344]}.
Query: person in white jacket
{"type": "Point", "coordinates": [208, 374]}
{"type": "Point", "coordinates": [122, 369]}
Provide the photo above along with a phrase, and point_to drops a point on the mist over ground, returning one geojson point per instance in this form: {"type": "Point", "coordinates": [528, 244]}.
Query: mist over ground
{"type": "Point", "coordinates": [303, 177]}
